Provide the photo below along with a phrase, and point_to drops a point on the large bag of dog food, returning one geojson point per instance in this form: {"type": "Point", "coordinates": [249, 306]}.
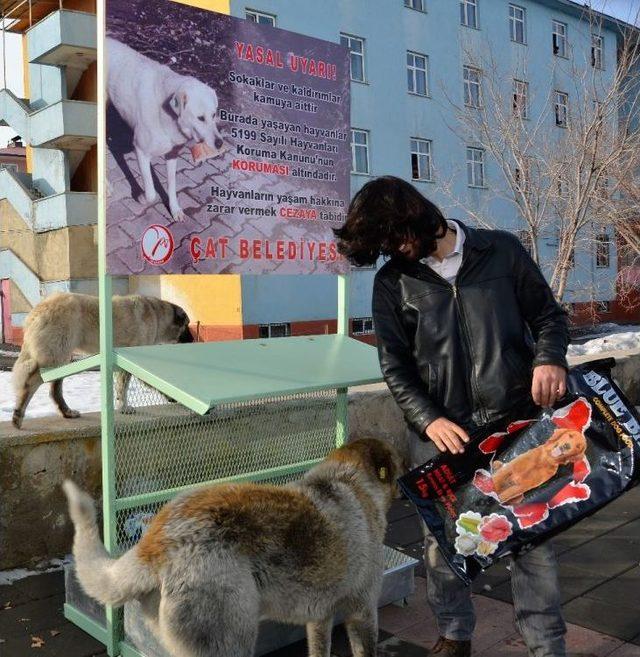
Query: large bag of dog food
{"type": "Point", "coordinates": [517, 487]}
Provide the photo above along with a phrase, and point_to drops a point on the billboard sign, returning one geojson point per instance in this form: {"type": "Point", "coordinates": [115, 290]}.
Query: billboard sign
{"type": "Point", "coordinates": [228, 144]}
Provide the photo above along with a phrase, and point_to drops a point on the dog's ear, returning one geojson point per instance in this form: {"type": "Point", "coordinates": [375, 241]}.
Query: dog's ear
{"type": "Point", "coordinates": [178, 101]}
{"type": "Point", "coordinates": [383, 459]}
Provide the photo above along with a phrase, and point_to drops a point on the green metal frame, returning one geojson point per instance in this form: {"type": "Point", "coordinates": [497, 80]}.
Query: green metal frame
{"type": "Point", "coordinates": [112, 633]}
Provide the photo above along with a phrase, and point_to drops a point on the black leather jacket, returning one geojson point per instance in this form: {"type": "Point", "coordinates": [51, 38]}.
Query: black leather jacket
{"type": "Point", "coordinates": [466, 351]}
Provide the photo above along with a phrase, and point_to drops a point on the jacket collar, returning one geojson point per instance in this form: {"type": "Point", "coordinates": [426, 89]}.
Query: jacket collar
{"type": "Point", "coordinates": [475, 240]}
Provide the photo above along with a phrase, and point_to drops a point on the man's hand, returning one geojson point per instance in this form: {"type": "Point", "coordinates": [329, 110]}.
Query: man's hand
{"type": "Point", "coordinates": [549, 383]}
{"type": "Point", "coordinates": [447, 435]}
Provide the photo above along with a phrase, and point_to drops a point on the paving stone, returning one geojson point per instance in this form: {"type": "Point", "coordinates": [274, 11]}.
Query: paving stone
{"type": "Point", "coordinates": [492, 577]}
{"type": "Point", "coordinates": [499, 592]}
{"type": "Point", "coordinates": [615, 620]}
{"type": "Point", "coordinates": [42, 586]}
{"type": "Point", "coordinates": [625, 589]}
{"type": "Point", "coordinates": [626, 650]}
{"type": "Point", "coordinates": [69, 641]}
{"type": "Point", "coordinates": [575, 582]}
{"type": "Point", "coordinates": [507, 647]}
{"type": "Point", "coordinates": [583, 641]}
{"type": "Point", "coordinates": [494, 622]}
{"type": "Point", "coordinates": [32, 617]}
{"type": "Point", "coordinates": [606, 557]}
{"type": "Point", "coordinates": [394, 618]}
{"type": "Point", "coordinates": [395, 647]}
{"type": "Point", "coordinates": [12, 596]}
{"type": "Point", "coordinates": [405, 531]}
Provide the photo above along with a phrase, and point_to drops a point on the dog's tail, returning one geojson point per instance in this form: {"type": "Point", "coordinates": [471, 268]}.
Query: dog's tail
{"type": "Point", "coordinates": [110, 581]}
{"type": "Point", "coordinates": [26, 379]}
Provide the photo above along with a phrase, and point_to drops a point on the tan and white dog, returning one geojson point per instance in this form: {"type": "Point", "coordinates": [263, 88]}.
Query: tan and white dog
{"type": "Point", "coordinates": [68, 323]}
{"type": "Point", "coordinates": [216, 561]}
{"type": "Point", "coordinates": [165, 110]}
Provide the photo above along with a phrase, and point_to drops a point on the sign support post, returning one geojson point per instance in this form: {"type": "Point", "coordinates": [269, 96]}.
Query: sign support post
{"type": "Point", "coordinates": [342, 410]}
{"type": "Point", "coordinates": [113, 615]}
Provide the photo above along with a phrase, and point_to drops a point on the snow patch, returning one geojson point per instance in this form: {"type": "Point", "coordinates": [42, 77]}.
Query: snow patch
{"type": "Point", "coordinates": [612, 342]}
{"type": "Point", "coordinates": [82, 392]}
{"type": "Point", "coordinates": [11, 576]}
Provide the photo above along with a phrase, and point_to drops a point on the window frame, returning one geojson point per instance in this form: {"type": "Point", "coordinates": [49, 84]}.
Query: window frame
{"type": "Point", "coordinates": [270, 326]}
{"type": "Point", "coordinates": [597, 63]}
{"type": "Point", "coordinates": [513, 21]}
{"type": "Point", "coordinates": [414, 69]}
{"type": "Point", "coordinates": [364, 331]}
{"type": "Point", "coordinates": [557, 105]}
{"type": "Point", "coordinates": [464, 14]}
{"type": "Point", "coordinates": [471, 180]}
{"type": "Point", "coordinates": [525, 85]}
{"type": "Point", "coordinates": [409, 4]}
{"type": "Point", "coordinates": [257, 13]}
{"type": "Point", "coordinates": [565, 39]}
{"type": "Point", "coordinates": [428, 155]}
{"type": "Point", "coordinates": [353, 152]}
{"type": "Point", "coordinates": [468, 84]}
{"type": "Point", "coordinates": [352, 53]}
{"type": "Point", "coordinates": [599, 255]}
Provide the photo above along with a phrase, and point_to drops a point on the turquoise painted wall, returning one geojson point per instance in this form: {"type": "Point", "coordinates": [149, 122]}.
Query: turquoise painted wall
{"type": "Point", "coordinates": [393, 116]}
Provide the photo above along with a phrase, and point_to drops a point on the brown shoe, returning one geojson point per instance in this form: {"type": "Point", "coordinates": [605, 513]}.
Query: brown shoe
{"type": "Point", "coordinates": [450, 648]}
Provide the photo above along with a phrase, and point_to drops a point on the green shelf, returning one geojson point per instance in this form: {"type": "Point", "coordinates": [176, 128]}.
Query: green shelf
{"type": "Point", "coordinates": [205, 374]}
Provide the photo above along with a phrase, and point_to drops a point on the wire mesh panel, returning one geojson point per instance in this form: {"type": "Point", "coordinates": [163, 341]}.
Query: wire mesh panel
{"type": "Point", "coordinates": [161, 445]}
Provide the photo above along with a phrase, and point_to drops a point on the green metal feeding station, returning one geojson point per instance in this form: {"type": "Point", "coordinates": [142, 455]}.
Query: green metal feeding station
{"type": "Point", "coordinates": [197, 414]}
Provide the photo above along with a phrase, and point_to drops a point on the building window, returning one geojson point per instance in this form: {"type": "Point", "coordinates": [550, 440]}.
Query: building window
{"type": "Point", "coordinates": [475, 167]}
{"type": "Point", "coordinates": [417, 74]}
{"type": "Point", "coordinates": [418, 5]}
{"type": "Point", "coordinates": [359, 151]}
{"type": "Point", "coordinates": [603, 251]}
{"type": "Point", "coordinates": [525, 238]}
{"type": "Point", "coordinates": [561, 109]}
{"type": "Point", "coordinates": [421, 159]}
{"type": "Point", "coordinates": [517, 23]}
{"type": "Point", "coordinates": [469, 13]}
{"type": "Point", "coordinates": [9, 167]}
{"type": "Point", "coordinates": [597, 51]}
{"type": "Point", "coordinates": [362, 326]}
{"type": "Point", "coordinates": [472, 89]}
{"type": "Point", "coordinates": [559, 39]}
{"type": "Point", "coordinates": [282, 330]}
{"type": "Point", "coordinates": [261, 18]}
{"type": "Point", "coordinates": [603, 306]}
{"type": "Point", "coordinates": [521, 99]}
{"type": "Point", "coordinates": [356, 56]}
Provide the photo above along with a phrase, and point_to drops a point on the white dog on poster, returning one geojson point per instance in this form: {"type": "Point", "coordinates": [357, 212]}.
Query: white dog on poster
{"type": "Point", "coordinates": [165, 111]}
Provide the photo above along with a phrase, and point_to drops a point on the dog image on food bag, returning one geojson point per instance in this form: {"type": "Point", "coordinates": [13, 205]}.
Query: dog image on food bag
{"type": "Point", "coordinates": [536, 466]}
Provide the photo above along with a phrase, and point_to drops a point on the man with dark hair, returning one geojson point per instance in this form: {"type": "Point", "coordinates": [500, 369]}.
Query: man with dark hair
{"type": "Point", "coordinates": [469, 337]}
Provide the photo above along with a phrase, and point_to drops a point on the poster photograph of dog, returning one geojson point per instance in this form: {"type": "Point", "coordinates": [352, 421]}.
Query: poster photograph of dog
{"type": "Point", "coordinates": [225, 155]}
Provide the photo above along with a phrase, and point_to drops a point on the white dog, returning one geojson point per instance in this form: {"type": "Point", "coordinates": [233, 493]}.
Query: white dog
{"type": "Point", "coordinates": [165, 110]}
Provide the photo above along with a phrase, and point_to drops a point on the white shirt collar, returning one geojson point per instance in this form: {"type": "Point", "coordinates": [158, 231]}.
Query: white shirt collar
{"type": "Point", "coordinates": [457, 249]}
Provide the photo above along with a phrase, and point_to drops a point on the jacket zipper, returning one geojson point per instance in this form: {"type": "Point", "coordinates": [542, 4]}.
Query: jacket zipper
{"type": "Point", "coordinates": [473, 384]}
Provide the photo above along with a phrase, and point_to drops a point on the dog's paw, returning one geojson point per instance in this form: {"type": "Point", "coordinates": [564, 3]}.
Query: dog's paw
{"type": "Point", "coordinates": [17, 419]}
{"type": "Point", "coordinates": [178, 215]}
{"type": "Point", "coordinates": [70, 414]}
